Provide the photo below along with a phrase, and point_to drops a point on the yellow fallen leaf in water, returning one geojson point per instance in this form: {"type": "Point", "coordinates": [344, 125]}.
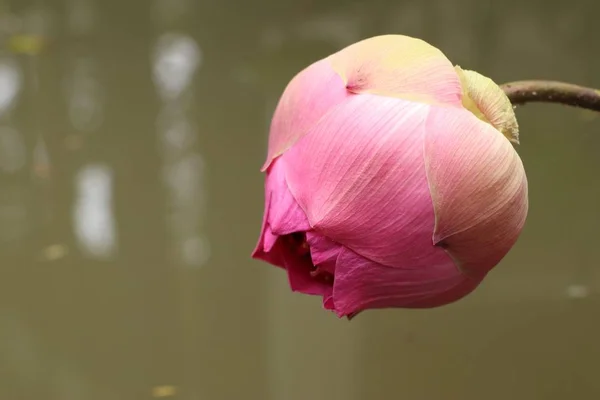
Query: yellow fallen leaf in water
{"type": "Point", "coordinates": [26, 44]}
{"type": "Point", "coordinates": [54, 252]}
{"type": "Point", "coordinates": [164, 391]}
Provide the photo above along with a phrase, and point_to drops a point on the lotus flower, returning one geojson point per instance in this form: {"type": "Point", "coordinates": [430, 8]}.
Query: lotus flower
{"type": "Point", "coordinates": [391, 180]}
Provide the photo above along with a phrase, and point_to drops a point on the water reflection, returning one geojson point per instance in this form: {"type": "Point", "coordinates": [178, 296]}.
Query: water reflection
{"type": "Point", "coordinates": [176, 59]}
{"type": "Point", "coordinates": [10, 84]}
{"type": "Point", "coordinates": [92, 213]}
{"type": "Point", "coordinates": [184, 181]}
{"type": "Point", "coordinates": [12, 146]}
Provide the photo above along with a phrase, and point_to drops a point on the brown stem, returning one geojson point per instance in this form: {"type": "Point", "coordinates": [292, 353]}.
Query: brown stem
{"type": "Point", "coordinates": [522, 92]}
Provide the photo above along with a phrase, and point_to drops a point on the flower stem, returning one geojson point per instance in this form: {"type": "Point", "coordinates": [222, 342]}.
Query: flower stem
{"type": "Point", "coordinates": [522, 92]}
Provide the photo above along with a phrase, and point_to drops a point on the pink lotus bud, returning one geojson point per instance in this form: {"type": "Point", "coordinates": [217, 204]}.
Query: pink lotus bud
{"type": "Point", "coordinates": [391, 179]}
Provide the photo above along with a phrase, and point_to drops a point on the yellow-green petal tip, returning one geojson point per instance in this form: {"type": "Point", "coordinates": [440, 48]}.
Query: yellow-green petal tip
{"type": "Point", "coordinates": [486, 100]}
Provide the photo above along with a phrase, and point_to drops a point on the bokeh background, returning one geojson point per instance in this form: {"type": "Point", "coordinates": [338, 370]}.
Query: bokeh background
{"type": "Point", "coordinates": [131, 137]}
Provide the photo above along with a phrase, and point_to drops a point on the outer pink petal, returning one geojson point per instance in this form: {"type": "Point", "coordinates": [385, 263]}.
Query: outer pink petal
{"type": "Point", "coordinates": [282, 216]}
{"type": "Point", "coordinates": [478, 186]}
{"type": "Point", "coordinates": [361, 284]}
{"type": "Point", "coordinates": [360, 177]}
{"type": "Point", "coordinates": [307, 98]}
{"type": "Point", "coordinates": [285, 215]}
{"type": "Point", "coordinates": [264, 249]}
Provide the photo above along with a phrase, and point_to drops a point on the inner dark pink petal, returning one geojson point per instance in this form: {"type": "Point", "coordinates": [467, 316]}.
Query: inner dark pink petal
{"type": "Point", "coordinates": [303, 275]}
{"type": "Point", "coordinates": [284, 241]}
{"type": "Point", "coordinates": [270, 248]}
{"type": "Point", "coordinates": [302, 281]}
{"type": "Point", "coordinates": [283, 221]}
{"type": "Point", "coordinates": [362, 284]}
{"type": "Point", "coordinates": [324, 252]}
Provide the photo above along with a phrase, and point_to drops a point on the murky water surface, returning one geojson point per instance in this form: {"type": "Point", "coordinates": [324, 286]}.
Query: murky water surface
{"type": "Point", "coordinates": [131, 134]}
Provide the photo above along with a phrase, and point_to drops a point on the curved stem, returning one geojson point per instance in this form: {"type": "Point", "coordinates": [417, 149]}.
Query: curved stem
{"type": "Point", "coordinates": [522, 92]}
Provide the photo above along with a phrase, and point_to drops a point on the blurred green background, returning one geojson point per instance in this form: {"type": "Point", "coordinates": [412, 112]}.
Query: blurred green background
{"type": "Point", "coordinates": [131, 137]}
